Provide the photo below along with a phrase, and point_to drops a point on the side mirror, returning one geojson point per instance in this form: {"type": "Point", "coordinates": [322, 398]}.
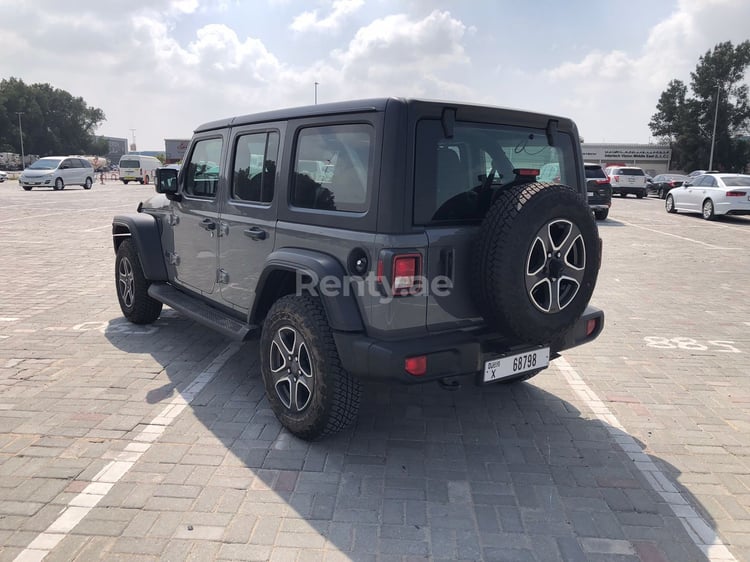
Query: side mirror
{"type": "Point", "coordinates": [166, 182]}
{"type": "Point", "coordinates": [687, 184]}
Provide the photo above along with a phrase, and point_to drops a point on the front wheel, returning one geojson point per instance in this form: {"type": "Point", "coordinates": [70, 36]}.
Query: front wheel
{"type": "Point", "coordinates": [708, 210]}
{"type": "Point", "coordinates": [88, 183]}
{"type": "Point", "coordinates": [26, 187]}
{"type": "Point", "coordinates": [59, 184]}
{"type": "Point", "coordinates": [308, 389]}
{"type": "Point", "coordinates": [132, 286]}
{"type": "Point", "coordinates": [601, 215]}
{"type": "Point", "coordinates": [669, 204]}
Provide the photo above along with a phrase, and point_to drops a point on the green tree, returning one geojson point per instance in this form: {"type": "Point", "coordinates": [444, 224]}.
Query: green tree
{"type": "Point", "coordinates": [718, 94]}
{"type": "Point", "coordinates": [53, 121]}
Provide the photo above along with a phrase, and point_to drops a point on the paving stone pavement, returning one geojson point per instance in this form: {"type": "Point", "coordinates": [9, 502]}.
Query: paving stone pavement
{"type": "Point", "coordinates": [123, 442]}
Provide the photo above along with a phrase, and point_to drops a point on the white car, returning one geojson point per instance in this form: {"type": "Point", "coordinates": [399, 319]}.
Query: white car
{"type": "Point", "coordinates": [3, 176]}
{"type": "Point", "coordinates": [712, 195]}
{"type": "Point", "coordinates": [57, 172]}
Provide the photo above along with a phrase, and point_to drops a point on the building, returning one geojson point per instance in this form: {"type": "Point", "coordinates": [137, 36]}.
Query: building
{"type": "Point", "coordinates": [117, 147]}
{"type": "Point", "coordinates": [653, 158]}
{"type": "Point", "coordinates": [175, 150]}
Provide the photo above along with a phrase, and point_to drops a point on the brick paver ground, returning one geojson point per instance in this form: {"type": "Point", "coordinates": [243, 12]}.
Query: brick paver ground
{"type": "Point", "coordinates": [524, 472]}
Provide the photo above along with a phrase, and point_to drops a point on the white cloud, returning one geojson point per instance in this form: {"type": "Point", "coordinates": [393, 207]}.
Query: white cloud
{"type": "Point", "coordinates": [340, 10]}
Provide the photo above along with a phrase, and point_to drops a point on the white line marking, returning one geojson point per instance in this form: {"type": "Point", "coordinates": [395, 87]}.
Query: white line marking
{"type": "Point", "coordinates": [102, 483]}
{"type": "Point", "coordinates": [686, 239]}
{"type": "Point", "coordinates": [8, 319]}
{"type": "Point", "coordinates": [703, 535]}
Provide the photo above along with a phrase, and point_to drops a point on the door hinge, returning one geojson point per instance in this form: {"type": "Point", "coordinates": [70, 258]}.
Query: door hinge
{"type": "Point", "coordinates": [222, 277]}
{"type": "Point", "coordinates": [172, 258]}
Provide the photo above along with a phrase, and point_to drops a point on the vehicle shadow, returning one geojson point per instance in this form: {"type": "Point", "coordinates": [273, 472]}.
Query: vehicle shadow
{"type": "Point", "coordinates": [609, 222]}
{"type": "Point", "coordinates": [509, 472]}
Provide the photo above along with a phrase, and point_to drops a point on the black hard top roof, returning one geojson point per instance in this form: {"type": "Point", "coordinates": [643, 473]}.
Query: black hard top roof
{"type": "Point", "coordinates": [352, 106]}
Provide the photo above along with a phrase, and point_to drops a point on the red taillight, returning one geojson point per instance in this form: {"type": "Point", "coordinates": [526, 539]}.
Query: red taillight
{"type": "Point", "coordinates": [526, 171]}
{"type": "Point", "coordinates": [736, 193]}
{"type": "Point", "coordinates": [406, 271]}
{"type": "Point", "coordinates": [601, 181]}
{"type": "Point", "coordinates": [416, 366]}
{"type": "Point", "coordinates": [616, 178]}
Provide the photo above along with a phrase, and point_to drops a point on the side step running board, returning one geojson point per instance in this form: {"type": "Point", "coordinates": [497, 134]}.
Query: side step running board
{"type": "Point", "coordinates": [200, 312]}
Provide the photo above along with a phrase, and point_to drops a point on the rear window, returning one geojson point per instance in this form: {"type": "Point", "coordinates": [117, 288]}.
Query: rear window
{"type": "Point", "coordinates": [630, 172]}
{"type": "Point", "coordinates": [736, 181]}
{"type": "Point", "coordinates": [455, 179]}
{"type": "Point", "coordinates": [595, 172]}
{"type": "Point", "coordinates": [130, 164]}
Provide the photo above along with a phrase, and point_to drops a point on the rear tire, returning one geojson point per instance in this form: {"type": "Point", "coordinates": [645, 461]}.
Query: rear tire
{"type": "Point", "coordinates": [132, 286]}
{"type": "Point", "coordinates": [708, 210]}
{"type": "Point", "coordinates": [308, 389]}
{"type": "Point", "coordinates": [601, 215]}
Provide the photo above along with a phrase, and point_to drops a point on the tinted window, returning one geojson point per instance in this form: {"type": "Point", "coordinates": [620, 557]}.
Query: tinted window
{"type": "Point", "coordinates": [332, 168]}
{"type": "Point", "coordinates": [595, 172]}
{"type": "Point", "coordinates": [631, 172]}
{"type": "Point", "coordinates": [700, 180]}
{"type": "Point", "coordinates": [202, 177]}
{"type": "Point", "coordinates": [254, 172]}
{"type": "Point", "coordinates": [737, 181]}
{"type": "Point", "coordinates": [455, 179]}
{"type": "Point", "coordinates": [130, 164]}
{"type": "Point", "coordinates": [85, 163]}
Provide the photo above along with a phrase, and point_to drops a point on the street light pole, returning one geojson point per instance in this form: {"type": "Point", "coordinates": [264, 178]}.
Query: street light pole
{"type": "Point", "coordinates": [316, 93]}
{"type": "Point", "coordinates": [20, 132]}
{"type": "Point", "coordinates": [713, 135]}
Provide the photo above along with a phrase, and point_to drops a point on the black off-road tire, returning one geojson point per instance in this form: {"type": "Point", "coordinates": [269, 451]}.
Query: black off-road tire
{"type": "Point", "coordinates": [132, 286]}
{"type": "Point", "coordinates": [601, 215]}
{"type": "Point", "coordinates": [308, 389]}
{"type": "Point", "coordinates": [535, 262]}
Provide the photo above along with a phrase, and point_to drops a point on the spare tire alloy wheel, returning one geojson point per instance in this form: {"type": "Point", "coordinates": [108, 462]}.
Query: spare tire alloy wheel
{"type": "Point", "coordinates": [555, 266]}
{"type": "Point", "coordinates": [308, 389]}
{"type": "Point", "coordinates": [535, 262]}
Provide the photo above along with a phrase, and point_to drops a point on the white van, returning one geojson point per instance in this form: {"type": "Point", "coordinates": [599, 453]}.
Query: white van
{"type": "Point", "coordinates": [136, 167]}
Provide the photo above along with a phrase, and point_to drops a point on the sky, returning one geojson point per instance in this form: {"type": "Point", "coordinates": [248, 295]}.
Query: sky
{"type": "Point", "coordinates": [160, 68]}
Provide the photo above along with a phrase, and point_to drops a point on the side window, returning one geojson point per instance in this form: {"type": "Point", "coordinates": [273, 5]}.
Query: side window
{"type": "Point", "coordinates": [710, 182]}
{"type": "Point", "coordinates": [202, 177]}
{"type": "Point", "coordinates": [254, 173]}
{"type": "Point", "coordinates": [332, 168]}
{"type": "Point", "coordinates": [700, 180]}
{"type": "Point", "coordinates": [66, 164]}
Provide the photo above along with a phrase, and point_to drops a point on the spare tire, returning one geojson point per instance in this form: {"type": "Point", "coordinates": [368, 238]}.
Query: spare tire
{"type": "Point", "coordinates": [536, 261]}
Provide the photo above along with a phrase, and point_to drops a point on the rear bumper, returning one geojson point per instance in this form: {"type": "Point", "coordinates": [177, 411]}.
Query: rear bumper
{"type": "Point", "coordinates": [448, 355]}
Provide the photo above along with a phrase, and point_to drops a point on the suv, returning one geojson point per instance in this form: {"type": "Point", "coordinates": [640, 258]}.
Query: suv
{"type": "Point", "coordinates": [394, 239]}
{"type": "Point", "coordinates": [627, 179]}
{"type": "Point", "coordinates": [599, 191]}
{"type": "Point", "coordinates": [57, 172]}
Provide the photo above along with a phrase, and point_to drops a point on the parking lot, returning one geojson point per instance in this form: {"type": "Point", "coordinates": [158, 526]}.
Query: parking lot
{"type": "Point", "coordinates": [155, 442]}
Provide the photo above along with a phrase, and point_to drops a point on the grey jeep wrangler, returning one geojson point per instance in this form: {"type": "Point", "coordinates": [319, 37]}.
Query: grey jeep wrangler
{"type": "Point", "coordinates": [396, 239]}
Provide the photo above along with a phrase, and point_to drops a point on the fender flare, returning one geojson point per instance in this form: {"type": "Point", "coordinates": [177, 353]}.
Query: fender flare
{"type": "Point", "coordinates": [341, 307]}
{"type": "Point", "coordinates": [143, 230]}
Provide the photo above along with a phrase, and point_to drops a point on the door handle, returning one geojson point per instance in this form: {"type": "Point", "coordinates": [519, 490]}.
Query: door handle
{"type": "Point", "coordinates": [208, 224]}
{"type": "Point", "coordinates": [256, 233]}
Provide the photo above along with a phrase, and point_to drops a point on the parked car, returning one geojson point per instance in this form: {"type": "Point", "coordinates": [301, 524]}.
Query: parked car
{"type": "Point", "coordinates": [712, 195]}
{"type": "Point", "coordinates": [599, 191]}
{"type": "Point", "coordinates": [57, 172]}
{"type": "Point", "coordinates": [662, 183]}
{"type": "Point", "coordinates": [695, 173]}
{"type": "Point", "coordinates": [423, 249]}
{"type": "Point", "coordinates": [3, 176]}
{"type": "Point", "coordinates": [626, 180]}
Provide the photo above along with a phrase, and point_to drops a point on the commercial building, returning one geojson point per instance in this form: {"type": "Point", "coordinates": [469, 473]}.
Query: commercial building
{"type": "Point", "coordinates": [653, 158]}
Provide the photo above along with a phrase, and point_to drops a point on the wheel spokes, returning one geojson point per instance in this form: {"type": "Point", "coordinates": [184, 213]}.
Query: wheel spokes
{"type": "Point", "coordinates": [126, 281]}
{"type": "Point", "coordinates": [291, 368]}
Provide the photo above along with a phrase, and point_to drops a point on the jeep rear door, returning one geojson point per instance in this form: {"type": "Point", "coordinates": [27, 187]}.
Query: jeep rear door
{"type": "Point", "coordinates": [456, 178]}
{"type": "Point", "coordinates": [248, 213]}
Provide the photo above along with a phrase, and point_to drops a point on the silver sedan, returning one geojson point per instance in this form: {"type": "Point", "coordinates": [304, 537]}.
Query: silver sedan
{"type": "Point", "coordinates": [712, 195]}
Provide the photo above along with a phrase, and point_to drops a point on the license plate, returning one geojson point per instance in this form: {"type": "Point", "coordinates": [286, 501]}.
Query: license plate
{"type": "Point", "coordinates": [516, 364]}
